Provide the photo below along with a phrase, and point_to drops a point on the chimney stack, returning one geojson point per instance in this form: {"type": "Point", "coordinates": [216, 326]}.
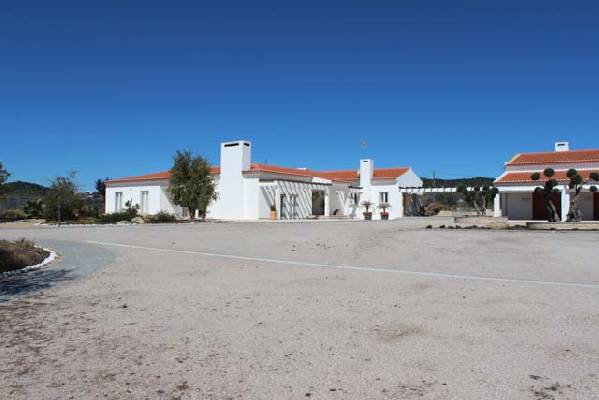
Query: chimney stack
{"type": "Point", "coordinates": [562, 146]}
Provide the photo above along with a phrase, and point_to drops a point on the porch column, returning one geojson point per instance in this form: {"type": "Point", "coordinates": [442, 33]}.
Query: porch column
{"type": "Point", "coordinates": [565, 203]}
{"type": "Point", "coordinates": [497, 205]}
{"type": "Point", "coordinates": [278, 200]}
{"type": "Point", "coordinates": [327, 202]}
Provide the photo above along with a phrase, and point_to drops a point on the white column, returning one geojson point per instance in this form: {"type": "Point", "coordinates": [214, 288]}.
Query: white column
{"type": "Point", "coordinates": [565, 203]}
{"type": "Point", "coordinates": [327, 202]}
{"type": "Point", "coordinates": [278, 199]}
{"type": "Point", "coordinates": [497, 205]}
{"type": "Point", "coordinates": [400, 211]}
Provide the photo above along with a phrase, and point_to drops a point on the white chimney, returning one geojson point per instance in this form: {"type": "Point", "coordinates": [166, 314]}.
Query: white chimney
{"type": "Point", "coordinates": [366, 176]}
{"type": "Point", "coordinates": [235, 158]}
{"type": "Point", "coordinates": [562, 146]}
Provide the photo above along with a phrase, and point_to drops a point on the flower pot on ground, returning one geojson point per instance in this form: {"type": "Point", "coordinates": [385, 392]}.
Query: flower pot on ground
{"type": "Point", "coordinates": [367, 213]}
{"type": "Point", "coordinates": [273, 213]}
{"type": "Point", "coordinates": [384, 213]}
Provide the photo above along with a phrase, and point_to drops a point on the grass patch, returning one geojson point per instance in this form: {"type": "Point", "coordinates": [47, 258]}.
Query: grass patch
{"type": "Point", "coordinates": [20, 254]}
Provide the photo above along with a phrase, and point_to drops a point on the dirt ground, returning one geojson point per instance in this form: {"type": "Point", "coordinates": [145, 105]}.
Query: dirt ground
{"type": "Point", "coordinates": [335, 310]}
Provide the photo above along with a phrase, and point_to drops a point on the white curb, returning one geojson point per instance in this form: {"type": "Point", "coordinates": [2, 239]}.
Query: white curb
{"type": "Point", "coordinates": [47, 261]}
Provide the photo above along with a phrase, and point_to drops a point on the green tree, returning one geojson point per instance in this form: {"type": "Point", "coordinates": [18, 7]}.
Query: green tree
{"type": "Point", "coordinates": [101, 189]}
{"type": "Point", "coordinates": [62, 201]}
{"type": "Point", "coordinates": [547, 190]}
{"type": "Point", "coordinates": [576, 184]}
{"type": "Point", "coordinates": [478, 196]}
{"type": "Point", "coordinates": [4, 174]}
{"type": "Point", "coordinates": [192, 185]}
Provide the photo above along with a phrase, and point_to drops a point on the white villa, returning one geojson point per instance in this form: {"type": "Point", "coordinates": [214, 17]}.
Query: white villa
{"type": "Point", "coordinates": [247, 191]}
{"type": "Point", "coordinates": [517, 199]}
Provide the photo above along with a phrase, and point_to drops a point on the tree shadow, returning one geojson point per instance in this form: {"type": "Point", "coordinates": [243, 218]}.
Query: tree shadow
{"type": "Point", "coordinates": [26, 283]}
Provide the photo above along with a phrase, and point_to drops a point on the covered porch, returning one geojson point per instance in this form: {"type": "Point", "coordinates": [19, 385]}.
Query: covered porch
{"type": "Point", "coordinates": [523, 204]}
{"type": "Point", "coordinates": [303, 200]}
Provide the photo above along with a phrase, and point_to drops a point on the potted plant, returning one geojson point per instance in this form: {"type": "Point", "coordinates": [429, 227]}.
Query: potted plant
{"type": "Point", "coordinates": [273, 212]}
{"type": "Point", "coordinates": [384, 213]}
{"type": "Point", "coordinates": [367, 214]}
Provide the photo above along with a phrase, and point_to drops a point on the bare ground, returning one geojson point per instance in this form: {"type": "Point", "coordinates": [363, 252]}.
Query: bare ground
{"type": "Point", "coordinates": [169, 321]}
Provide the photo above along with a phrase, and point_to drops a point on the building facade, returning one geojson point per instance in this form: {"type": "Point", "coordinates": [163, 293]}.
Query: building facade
{"type": "Point", "coordinates": [517, 199]}
{"type": "Point", "coordinates": [247, 190]}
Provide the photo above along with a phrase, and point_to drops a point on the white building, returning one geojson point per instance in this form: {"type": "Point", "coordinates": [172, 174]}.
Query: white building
{"type": "Point", "coordinates": [517, 199]}
{"type": "Point", "coordinates": [247, 190]}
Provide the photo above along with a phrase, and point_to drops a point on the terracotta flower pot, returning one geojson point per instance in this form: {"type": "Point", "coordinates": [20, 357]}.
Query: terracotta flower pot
{"type": "Point", "coordinates": [273, 215]}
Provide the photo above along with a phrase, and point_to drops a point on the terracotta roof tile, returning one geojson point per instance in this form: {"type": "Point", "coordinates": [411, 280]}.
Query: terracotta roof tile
{"type": "Point", "coordinates": [339, 175]}
{"type": "Point", "coordinates": [524, 177]}
{"type": "Point", "coordinates": [561, 157]}
{"type": "Point", "coordinates": [152, 177]}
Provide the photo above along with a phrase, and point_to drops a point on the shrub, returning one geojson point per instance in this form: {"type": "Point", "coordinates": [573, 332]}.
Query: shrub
{"type": "Point", "coordinates": [117, 217]}
{"type": "Point", "coordinates": [162, 217]}
{"type": "Point", "coordinates": [15, 214]}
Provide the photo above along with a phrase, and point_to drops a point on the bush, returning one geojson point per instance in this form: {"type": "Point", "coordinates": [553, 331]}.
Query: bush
{"type": "Point", "coordinates": [13, 215]}
{"type": "Point", "coordinates": [118, 216]}
{"type": "Point", "coordinates": [162, 217]}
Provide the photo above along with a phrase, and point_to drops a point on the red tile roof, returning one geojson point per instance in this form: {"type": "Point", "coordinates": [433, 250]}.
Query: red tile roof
{"type": "Point", "coordinates": [153, 177]}
{"type": "Point", "coordinates": [340, 175]}
{"type": "Point", "coordinates": [560, 157]}
{"type": "Point", "coordinates": [524, 177]}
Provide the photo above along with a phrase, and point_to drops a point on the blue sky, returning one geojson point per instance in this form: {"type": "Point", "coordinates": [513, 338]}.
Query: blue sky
{"type": "Point", "coordinates": [113, 88]}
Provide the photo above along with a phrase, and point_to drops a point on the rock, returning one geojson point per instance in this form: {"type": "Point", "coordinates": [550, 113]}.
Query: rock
{"type": "Point", "coordinates": [138, 220]}
{"type": "Point", "coordinates": [498, 225]}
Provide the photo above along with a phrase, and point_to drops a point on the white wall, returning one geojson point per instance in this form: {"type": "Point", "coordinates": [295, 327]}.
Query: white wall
{"type": "Point", "coordinates": [234, 159]}
{"type": "Point", "coordinates": [132, 192]}
{"type": "Point", "coordinates": [409, 179]}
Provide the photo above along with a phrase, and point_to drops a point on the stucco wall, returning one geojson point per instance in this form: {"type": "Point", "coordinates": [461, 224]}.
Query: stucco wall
{"type": "Point", "coordinates": [132, 192]}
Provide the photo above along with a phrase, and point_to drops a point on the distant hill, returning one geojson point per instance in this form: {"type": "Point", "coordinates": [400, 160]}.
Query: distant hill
{"type": "Point", "coordinates": [469, 182]}
{"type": "Point", "coordinates": [20, 188]}
{"type": "Point", "coordinates": [17, 194]}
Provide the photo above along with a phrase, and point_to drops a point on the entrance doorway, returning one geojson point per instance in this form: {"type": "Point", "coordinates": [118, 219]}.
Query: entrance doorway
{"type": "Point", "coordinates": [539, 209]}
{"type": "Point", "coordinates": [318, 202]}
{"type": "Point", "coordinates": [596, 206]}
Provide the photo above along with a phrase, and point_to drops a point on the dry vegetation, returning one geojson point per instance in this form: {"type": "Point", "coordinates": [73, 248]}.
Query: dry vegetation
{"type": "Point", "coordinates": [19, 254]}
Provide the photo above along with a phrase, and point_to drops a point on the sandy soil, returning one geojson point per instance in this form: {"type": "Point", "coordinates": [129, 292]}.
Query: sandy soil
{"type": "Point", "coordinates": [165, 320]}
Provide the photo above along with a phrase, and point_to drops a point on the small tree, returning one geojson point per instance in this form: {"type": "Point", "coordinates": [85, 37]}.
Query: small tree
{"type": "Point", "coordinates": [34, 208]}
{"type": "Point", "coordinates": [62, 202]}
{"type": "Point", "coordinates": [4, 174]}
{"type": "Point", "coordinates": [192, 185]}
{"type": "Point", "coordinates": [478, 196]}
{"type": "Point", "coordinates": [577, 182]}
{"type": "Point", "coordinates": [101, 188]}
{"type": "Point", "coordinates": [547, 191]}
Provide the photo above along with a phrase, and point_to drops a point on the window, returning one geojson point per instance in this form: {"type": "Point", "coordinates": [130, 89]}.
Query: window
{"type": "Point", "coordinates": [118, 201]}
{"type": "Point", "coordinates": [144, 201]}
{"type": "Point", "coordinates": [384, 197]}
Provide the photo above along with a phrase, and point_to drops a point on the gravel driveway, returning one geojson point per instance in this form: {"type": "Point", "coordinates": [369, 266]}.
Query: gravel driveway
{"type": "Point", "coordinates": [309, 310]}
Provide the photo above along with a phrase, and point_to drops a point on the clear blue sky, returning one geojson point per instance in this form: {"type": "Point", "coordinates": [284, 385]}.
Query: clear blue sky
{"type": "Point", "coordinates": [113, 88]}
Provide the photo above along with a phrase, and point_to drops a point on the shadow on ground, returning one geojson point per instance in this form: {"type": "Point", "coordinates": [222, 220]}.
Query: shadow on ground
{"type": "Point", "coordinates": [76, 260]}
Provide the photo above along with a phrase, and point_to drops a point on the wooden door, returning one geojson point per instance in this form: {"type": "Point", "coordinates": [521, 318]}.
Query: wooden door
{"type": "Point", "coordinates": [539, 209]}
